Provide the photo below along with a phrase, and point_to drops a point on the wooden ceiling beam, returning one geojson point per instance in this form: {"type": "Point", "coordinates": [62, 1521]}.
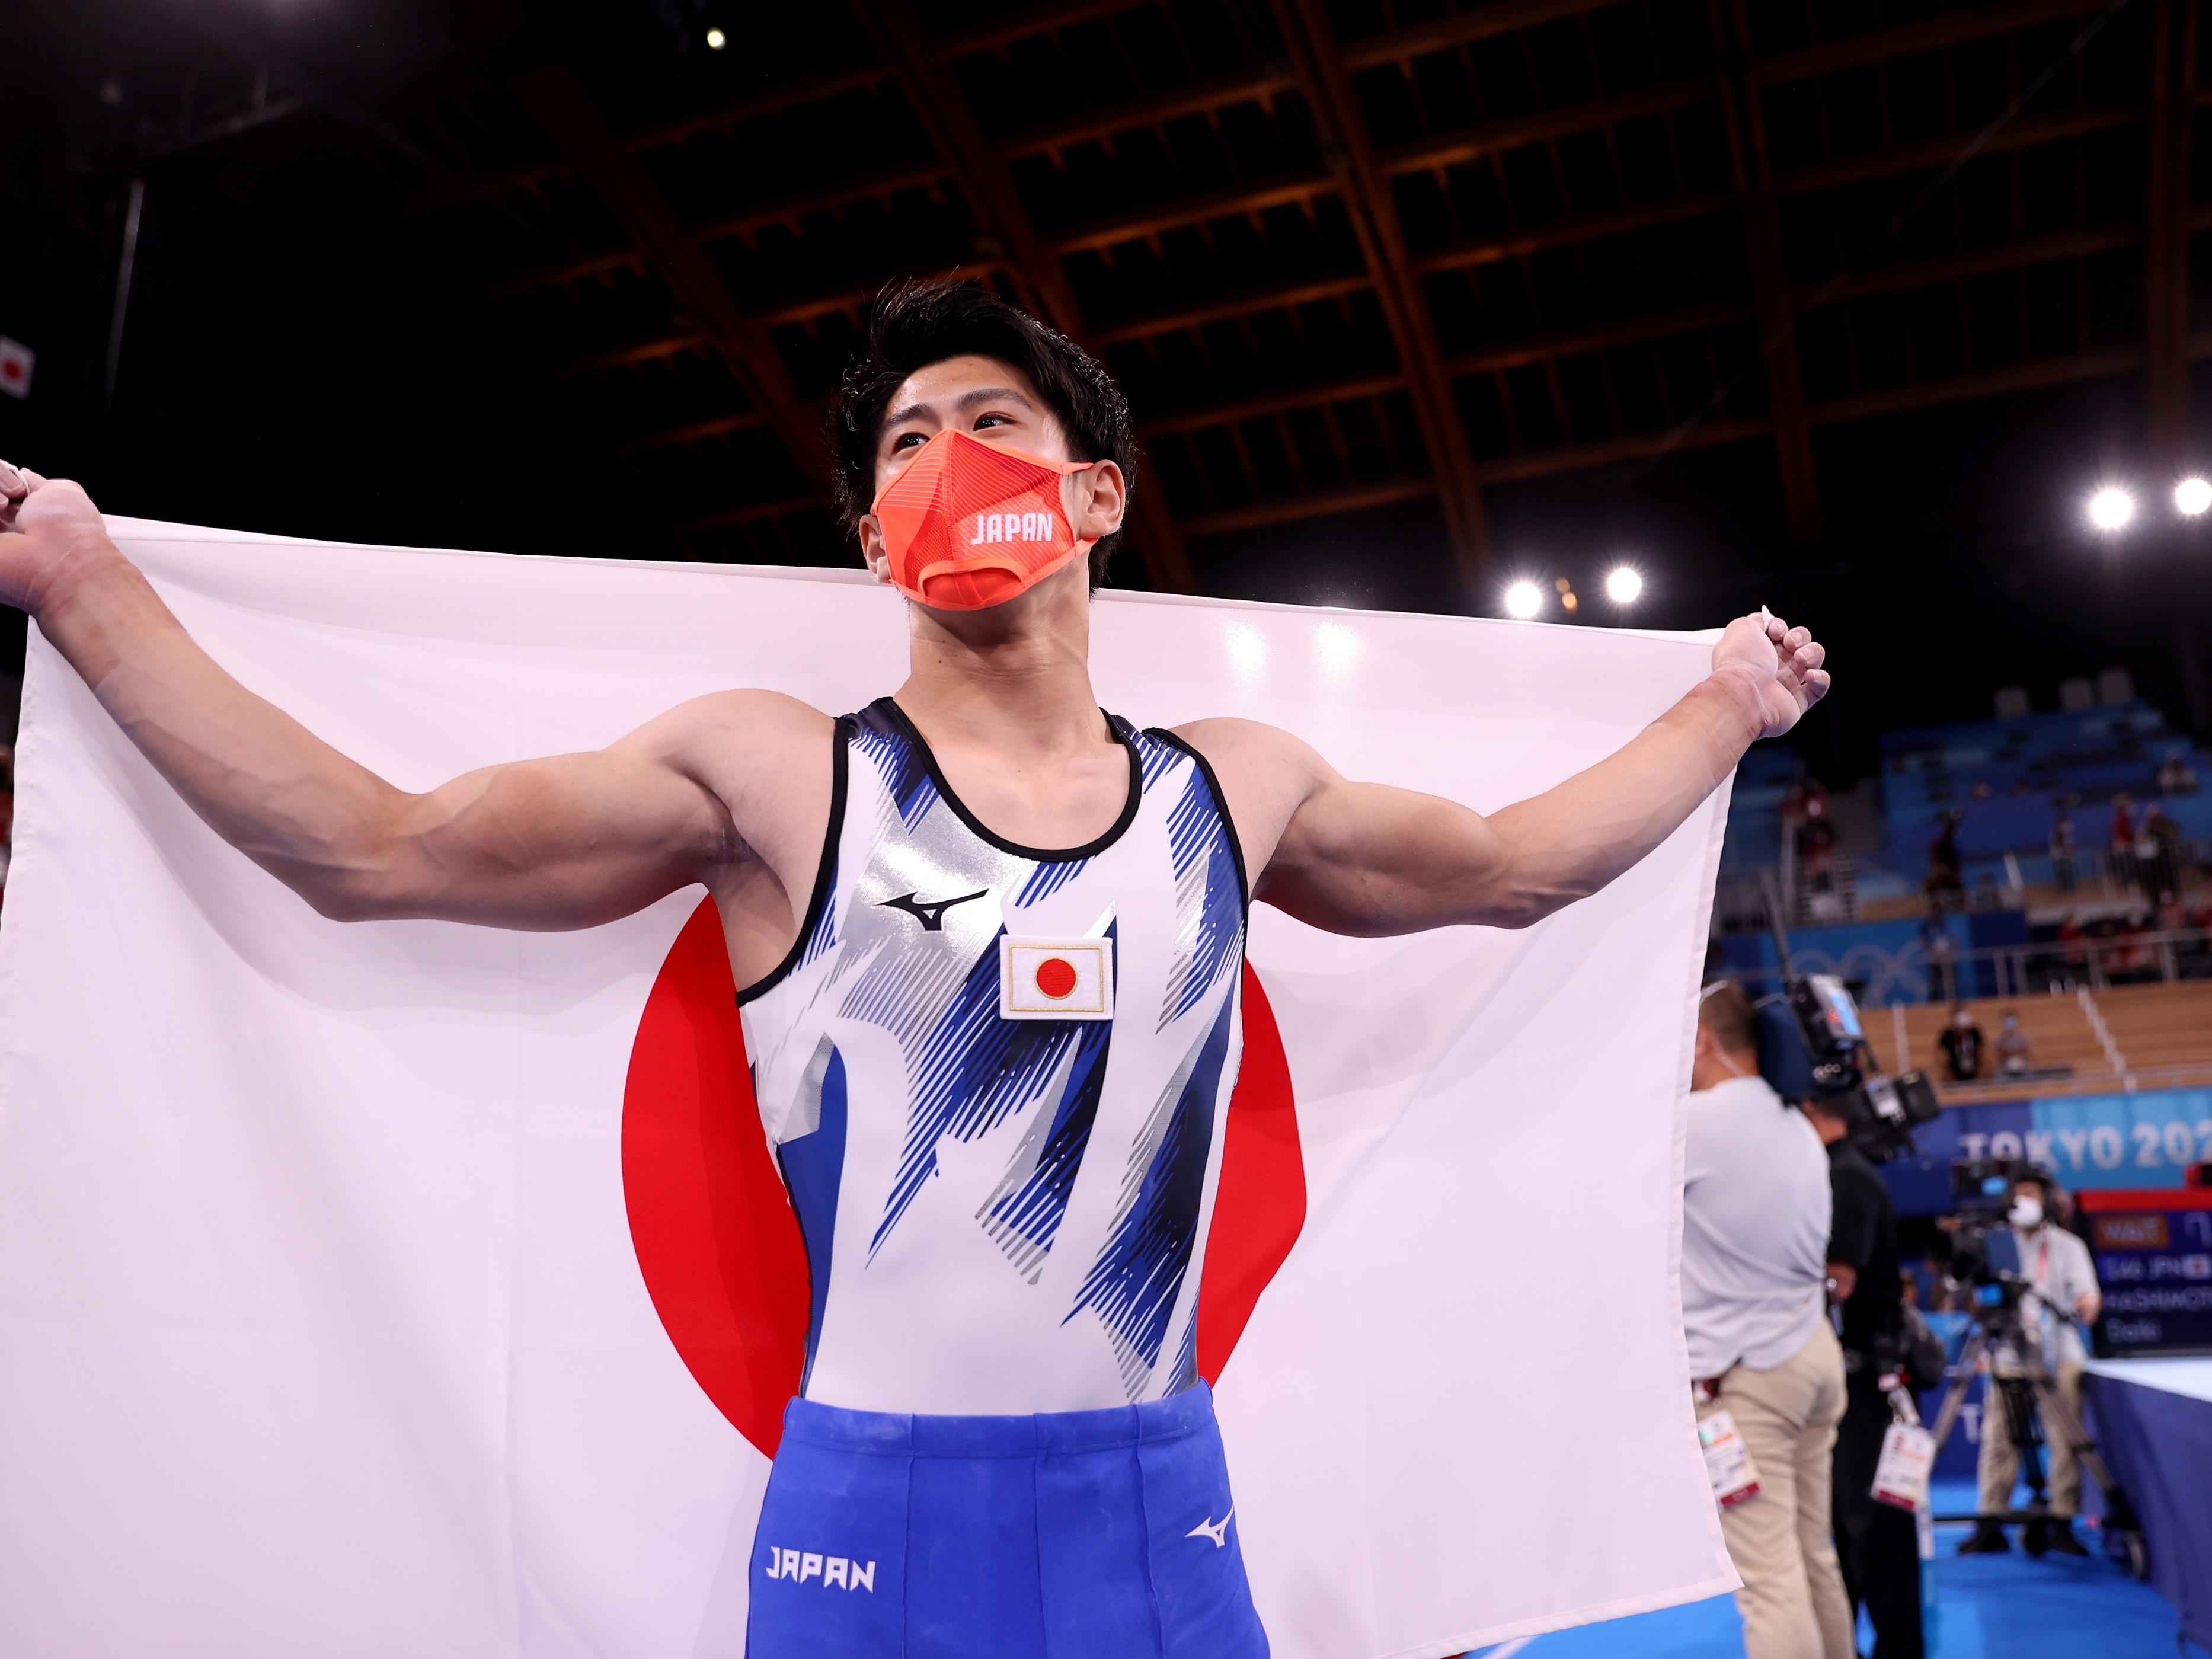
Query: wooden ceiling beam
{"type": "Point", "coordinates": [1612, 452]}
{"type": "Point", "coordinates": [1286, 509]}
{"type": "Point", "coordinates": [1906, 40]}
{"type": "Point", "coordinates": [1986, 383]}
{"type": "Point", "coordinates": [557, 99]}
{"type": "Point", "coordinates": [1244, 303]}
{"type": "Point", "coordinates": [1975, 262]}
{"type": "Point", "coordinates": [1564, 233]}
{"type": "Point", "coordinates": [1141, 223]}
{"type": "Point", "coordinates": [1451, 149]}
{"type": "Point", "coordinates": [1653, 325]}
{"type": "Point", "coordinates": [1278, 402]}
{"type": "Point", "coordinates": [2021, 133]}
{"type": "Point", "coordinates": [1506, 17]}
{"type": "Point", "coordinates": [1304, 27]}
{"type": "Point", "coordinates": [1199, 98]}
{"type": "Point", "coordinates": [902, 42]}
{"type": "Point", "coordinates": [1770, 281]}
{"type": "Point", "coordinates": [2165, 219]}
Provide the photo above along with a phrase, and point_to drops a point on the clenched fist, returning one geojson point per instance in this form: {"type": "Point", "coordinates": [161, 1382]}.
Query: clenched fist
{"type": "Point", "coordinates": [1781, 665]}
{"type": "Point", "coordinates": [51, 537]}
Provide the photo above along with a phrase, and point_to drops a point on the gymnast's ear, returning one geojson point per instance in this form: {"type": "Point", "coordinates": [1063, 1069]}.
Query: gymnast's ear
{"type": "Point", "coordinates": [874, 553]}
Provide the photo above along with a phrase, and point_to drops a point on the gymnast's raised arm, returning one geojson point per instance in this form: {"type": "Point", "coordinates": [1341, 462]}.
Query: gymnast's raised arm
{"type": "Point", "coordinates": [567, 842]}
{"type": "Point", "coordinates": [1369, 859]}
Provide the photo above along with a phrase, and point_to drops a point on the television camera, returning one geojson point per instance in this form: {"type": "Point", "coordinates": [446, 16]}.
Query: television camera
{"type": "Point", "coordinates": [1813, 1046]}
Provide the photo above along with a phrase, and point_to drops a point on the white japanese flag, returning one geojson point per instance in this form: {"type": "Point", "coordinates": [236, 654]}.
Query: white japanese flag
{"type": "Point", "coordinates": [409, 1288]}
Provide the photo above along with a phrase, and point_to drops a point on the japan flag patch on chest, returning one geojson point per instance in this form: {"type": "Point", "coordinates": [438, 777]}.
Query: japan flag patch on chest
{"type": "Point", "coordinates": [1056, 978]}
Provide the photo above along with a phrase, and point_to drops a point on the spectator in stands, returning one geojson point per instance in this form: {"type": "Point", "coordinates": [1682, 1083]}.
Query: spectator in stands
{"type": "Point", "coordinates": [1986, 897]}
{"type": "Point", "coordinates": [1962, 1043]}
{"type": "Point", "coordinates": [2062, 854]}
{"type": "Point", "coordinates": [1878, 1546]}
{"type": "Point", "coordinates": [2175, 775]}
{"type": "Point", "coordinates": [1940, 950]}
{"type": "Point", "coordinates": [2135, 958]}
{"type": "Point", "coordinates": [2061, 1278]}
{"type": "Point", "coordinates": [1944, 885]}
{"type": "Point", "coordinates": [2070, 937]}
{"type": "Point", "coordinates": [2012, 1047]}
{"type": "Point", "coordinates": [1816, 843]}
{"type": "Point", "coordinates": [2158, 849]}
{"type": "Point", "coordinates": [1755, 1215]}
{"type": "Point", "coordinates": [2124, 838]}
{"type": "Point", "coordinates": [2172, 913]}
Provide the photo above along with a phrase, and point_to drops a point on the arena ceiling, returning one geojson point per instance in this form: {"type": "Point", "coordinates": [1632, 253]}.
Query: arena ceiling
{"type": "Point", "coordinates": [1347, 257]}
{"type": "Point", "coordinates": [1341, 254]}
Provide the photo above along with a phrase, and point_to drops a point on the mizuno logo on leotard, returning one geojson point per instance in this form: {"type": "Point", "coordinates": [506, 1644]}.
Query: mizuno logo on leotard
{"type": "Point", "coordinates": [830, 1572]}
{"type": "Point", "coordinates": [930, 912]}
{"type": "Point", "coordinates": [1216, 1531]}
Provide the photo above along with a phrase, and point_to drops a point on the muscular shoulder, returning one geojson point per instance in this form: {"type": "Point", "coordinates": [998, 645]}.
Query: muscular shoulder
{"type": "Point", "coordinates": [1266, 775]}
{"type": "Point", "coordinates": [767, 757]}
{"type": "Point", "coordinates": [765, 716]}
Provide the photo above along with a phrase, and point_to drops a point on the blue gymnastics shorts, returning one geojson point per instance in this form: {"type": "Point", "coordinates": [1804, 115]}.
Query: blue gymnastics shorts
{"type": "Point", "coordinates": [1106, 1535]}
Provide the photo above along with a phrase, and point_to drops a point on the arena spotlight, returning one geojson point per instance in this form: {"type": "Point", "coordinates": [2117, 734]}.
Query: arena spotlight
{"type": "Point", "coordinates": [716, 39]}
{"type": "Point", "coordinates": [1523, 600]}
{"type": "Point", "coordinates": [1623, 585]}
{"type": "Point", "coordinates": [2193, 497]}
{"type": "Point", "coordinates": [2111, 508]}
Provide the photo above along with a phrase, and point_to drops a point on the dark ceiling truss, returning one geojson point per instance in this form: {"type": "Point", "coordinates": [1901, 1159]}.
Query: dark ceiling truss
{"type": "Point", "coordinates": [1346, 254]}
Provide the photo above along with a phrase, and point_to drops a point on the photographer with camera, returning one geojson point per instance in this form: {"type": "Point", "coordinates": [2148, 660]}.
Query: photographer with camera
{"type": "Point", "coordinates": [1755, 1221]}
{"type": "Point", "coordinates": [2059, 1288]}
{"type": "Point", "coordinates": [1878, 1543]}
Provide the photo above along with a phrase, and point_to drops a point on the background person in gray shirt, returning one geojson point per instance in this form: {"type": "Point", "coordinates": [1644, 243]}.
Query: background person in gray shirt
{"type": "Point", "coordinates": [2062, 1289]}
{"type": "Point", "coordinates": [1755, 1210]}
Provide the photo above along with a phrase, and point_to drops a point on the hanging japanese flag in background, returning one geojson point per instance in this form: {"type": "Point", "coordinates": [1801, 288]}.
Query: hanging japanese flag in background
{"type": "Point", "coordinates": [409, 1288]}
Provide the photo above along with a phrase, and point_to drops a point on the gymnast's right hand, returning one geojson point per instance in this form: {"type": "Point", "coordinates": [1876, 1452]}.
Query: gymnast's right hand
{"type": "Point", "coordinates": [51, 536]}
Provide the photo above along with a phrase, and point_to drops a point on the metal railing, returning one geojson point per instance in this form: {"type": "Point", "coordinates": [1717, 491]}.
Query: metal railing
{"type": "Point", "coordinates": [2035, 967]}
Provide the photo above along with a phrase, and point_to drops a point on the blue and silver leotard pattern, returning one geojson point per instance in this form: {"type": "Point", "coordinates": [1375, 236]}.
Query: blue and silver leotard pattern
{"type": "Point", "coordinates": [1002, 1216]}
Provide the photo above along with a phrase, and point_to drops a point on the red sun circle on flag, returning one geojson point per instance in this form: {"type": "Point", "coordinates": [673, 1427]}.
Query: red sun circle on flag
{"type": "Point", "coordinates": [718, 1244]}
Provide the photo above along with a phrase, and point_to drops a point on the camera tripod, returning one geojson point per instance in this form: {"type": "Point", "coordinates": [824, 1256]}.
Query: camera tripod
{"type": "Point", "coordinates": [2012, 1401]}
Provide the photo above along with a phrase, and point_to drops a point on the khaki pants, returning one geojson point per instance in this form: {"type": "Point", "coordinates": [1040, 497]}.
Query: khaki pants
{"type": "Point", "coordinates": [1792, 1600]}
{"type": "Point", "coordinates": [2000, 1460]}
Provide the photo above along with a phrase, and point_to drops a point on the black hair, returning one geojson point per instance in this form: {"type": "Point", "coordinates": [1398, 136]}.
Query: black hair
{"type": "Point", "coordinates": [919, 322]}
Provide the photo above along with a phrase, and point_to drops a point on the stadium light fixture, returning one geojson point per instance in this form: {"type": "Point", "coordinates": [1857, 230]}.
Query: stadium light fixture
{"type": "Point", "coordinates": [1523, 600]}
{"type": "Point", "coordinates": [2193, 497]}
{"type": "Point", "coordinates": [1623, 585]}
{"type": "Point", "coordinates": [2111, 509]}
{"type": "Point", "coordinates": [716, 39]}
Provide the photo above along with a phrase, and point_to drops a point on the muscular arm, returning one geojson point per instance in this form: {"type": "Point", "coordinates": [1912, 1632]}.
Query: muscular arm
{"type": "Point", "coordinates": [567, 842]}
{"type": "Point", "coordinates": [1368, 859]}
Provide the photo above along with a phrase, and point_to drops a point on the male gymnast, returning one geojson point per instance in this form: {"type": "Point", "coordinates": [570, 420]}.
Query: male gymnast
{"type": "Point", "coordinates": [991, 939]}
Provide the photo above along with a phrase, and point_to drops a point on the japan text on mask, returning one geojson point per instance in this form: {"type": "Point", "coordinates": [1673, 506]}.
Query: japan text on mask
{"type": "Point", "coordinates": [969, 525]}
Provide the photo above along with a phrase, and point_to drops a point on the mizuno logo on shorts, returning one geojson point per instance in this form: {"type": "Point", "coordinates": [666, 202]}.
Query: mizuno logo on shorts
{"type": "Point", "coordinates": [831, 1572]}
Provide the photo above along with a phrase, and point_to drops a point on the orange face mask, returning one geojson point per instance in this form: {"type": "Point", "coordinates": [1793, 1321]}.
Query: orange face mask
{"type": "Point", "coordinates": [968, 525]}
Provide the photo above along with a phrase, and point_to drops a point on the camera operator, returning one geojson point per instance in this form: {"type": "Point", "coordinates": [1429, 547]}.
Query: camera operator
{"type": "Point", "coordinates": [1754, 1233]}
{"type": "Point", "coordinates": [2061, 1288]}
{"type": "Point", "coordinates": [1878, 1543]}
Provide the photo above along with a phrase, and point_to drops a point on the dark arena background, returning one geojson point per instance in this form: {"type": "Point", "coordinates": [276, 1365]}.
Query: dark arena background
{"type": "Point", "coordinates": [1841, 307]}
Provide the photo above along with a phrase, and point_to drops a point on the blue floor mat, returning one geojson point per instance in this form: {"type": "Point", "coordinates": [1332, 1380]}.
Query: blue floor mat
{"type": "Point", "coordinates": [1991, 1606]}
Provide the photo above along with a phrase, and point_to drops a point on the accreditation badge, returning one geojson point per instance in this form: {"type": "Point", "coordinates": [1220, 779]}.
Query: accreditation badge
{"type": "Point", "coordinates": [1729, 1464]}
{"type": "Point", "coordinates": [1900, 1477]}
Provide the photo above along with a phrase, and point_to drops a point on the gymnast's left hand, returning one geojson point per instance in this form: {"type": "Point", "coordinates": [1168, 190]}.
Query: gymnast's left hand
{"type": "Point", "coordinates": [1779, 665]}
